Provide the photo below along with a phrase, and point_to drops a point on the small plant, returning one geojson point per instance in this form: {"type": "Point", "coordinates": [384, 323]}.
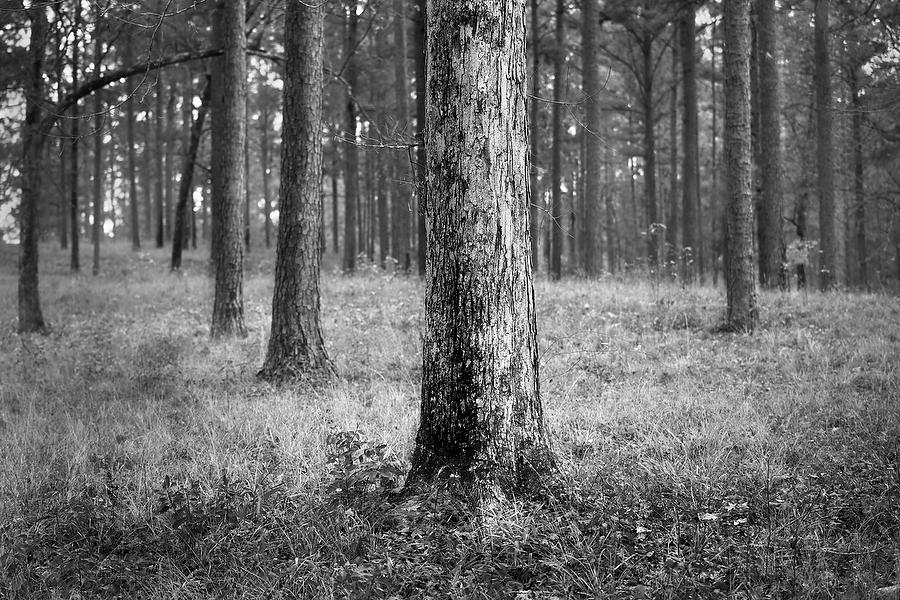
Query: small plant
{"type": "Point", "coordinates": [358, 466]}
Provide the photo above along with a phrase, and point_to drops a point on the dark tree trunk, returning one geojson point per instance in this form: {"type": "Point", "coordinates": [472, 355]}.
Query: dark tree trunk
{"type": "Point", "coordinates": [351, 150]}
{"type": "Point", "coordinates": [229, 129]}
{"type": "Point", "coordinates": [335, 207]}
{"type": "Point", "coordinates": [590, 244]}
{"type": "Point", "coordinates": [400, 204]}
{"type": "Point", "coordinates": [75, 168]}
{"type": "Point", "coordinates": [264, 159]}
{"type": "Point", "coordinates": [824, 151]}
{"type": "Point", "coordinates": [859, 193]}
{"type": "Point", "coordinates": [296, 347]}
{"type": "Point", "coordinates": [671, 213]}
{"type": "Point", "coordinates": [559, 56]}
{"type": "Point", "coordinates": [135, 222]}
{"type": "Point", "coordinates": [384, 243]}
{"type": "Point", "coordinates": [246, 176]}
{"type": "Point", "coordinates": [481, 418]}
{"type": "Point", "coordinates": [649, 114]}
{"type": "Point", "coordinates": [419, 34]}
{"type": "Point", "coordinates": [97, 226]}
{"type": "Point", "coordinates": [534, 205]}
{"type": "Point", "coordinates": [159, 205]}
{"type": "Point", "coordinates": [690, 175]}
{"type": "Point", "coordinates": [770, 236]}
{"type": "Point", "coordinates": [62, 213]}
{"type": "Point", "coordinates": [186, 186]}
{"type": "Point", "coordinates": [740, 277]}
{"type": "Point", "coordinates": [169, 199]}
{"type": "Point", "coordinates": [30, 316]}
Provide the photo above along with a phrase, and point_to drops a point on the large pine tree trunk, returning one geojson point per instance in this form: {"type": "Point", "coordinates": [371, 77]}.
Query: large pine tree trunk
{"type": "Point", "coordinates": [740, 277]}
{"type": "Point", "coordinates": [296, 347]}
{"type": "Point", "coordinates": [824, 151]}
{"type": "Point", "coordinates": [229, 129]}
{"type": "Point", "coordinates": [400, 199]}
{"type": "Point", "coordinates": [771, 238]}
{"type": "Point", "coordinates": [30, 316]}
{"type": "Point", "coordinates": [351, 150]}
{"type": "Point", "coordinates": [559, 57]}
{"type": "Point", "coordinates": [481, 417]}
{"type": "Point", "coordinates": [590, 228]}
{"type": "Point", "coordinates": [690, 175]}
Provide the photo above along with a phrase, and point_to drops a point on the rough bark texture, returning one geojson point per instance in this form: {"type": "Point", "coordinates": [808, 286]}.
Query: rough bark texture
{"type": "Point", "coordinates": [556, 216]}
{"type": "Point", "coordinates": [859, 193]}
{"type": "Point", "coordinates": [649, 150]}
{"type": "Point", "coordinates": [770, 236]}
{"type": "Point", "coordinates": [690, 174]}
{"type": "Point", "coordinates": [740, 277]}
{"type": "Point", "coordinates": [481, 416]}
{"type": "Point", "coordinates": [264, 159]}
{"type": "Point", "coordinates": [296, 347]}
{"type": "Point", "coordinates": [400, 200]}
{"type": "Point", "coordinates": [534, 205]}
{"type": "Point", "coordinates": [828, 275]}
{"type": "Point", "coordinates": [186, 185]}
{"type": "Point", "coordinates": [351, 150]}
{"type": "Point", "coordinates": [229, 129]}
{"type": "Point", "coordinates": [590, 244]}
{"type": "Point", "coordinates": [75, 167]}
{"type": "Point", "coordinates": [421, 27]}
{"type": "Point", "coordinates": [97, 226]}
{"type": "Point", "coordinates": [30, 316]}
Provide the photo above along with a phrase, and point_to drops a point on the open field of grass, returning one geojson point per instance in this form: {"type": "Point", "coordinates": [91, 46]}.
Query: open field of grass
{"type": "Point", "coordinates": [138, 459]}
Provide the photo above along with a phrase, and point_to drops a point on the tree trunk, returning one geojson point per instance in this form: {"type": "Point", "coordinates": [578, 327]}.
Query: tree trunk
{"type": "Point", "coordinates": [859, 194]}
{"type": "Point", "coordinates": [229, 130]}
{"type": "Point", "coordinates": [296, 347]}
{"type": "Point", "coordinates": [30, 316]}
{"type": "Point", "coordinates": [824, 150]}
{"type": "Point", "coordinates": [739, 269]}
{"type": "Point", "coordinates": [590, 244]}
{"type": "Point", "coordinates": [421, 154]}
{"type": "Point", "coordinates": [335, 207]}
{"type": "Point", "coordinates": [671, 213]}
{"type": "Point", "coordinates": [135, 223]}
{"type": "Point", "coordinates": [559, 56]}
{"type": "Point", "coordinates": [246, 176]}
{"type": "Point", "coordinates": [481, 418]}
{"type": "Point", "coordinates": [170, 165]}
{"type": "Point", "coordinates": [690, 175]}
{"type": "Point", "coordinates": [400, 213]}
{"type": "Point", "coordinates": [771, 238]}
{"type": "Point", "coordinates": [649, 151]}
{"type": "Point", "coordinates": [159, 159]}
{"type": "Point", "coordinates": [74, 220]}
{"type": "Point", "coordinates": [351, 150]}
{"type": "Point", "coordinates": [97, 226]}
{"type": "Point", "coordinates": [264, 159]}
{"type": "Point", "coordinates": [62, 214]}
{"type": "Point", "coordinates": [534, 206]}
{"type": "Point", "coordinates": [186, 186]}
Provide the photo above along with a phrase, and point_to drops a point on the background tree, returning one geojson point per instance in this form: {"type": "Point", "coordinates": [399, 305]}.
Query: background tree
{"type": "Point", "coordinates": [828, 276]}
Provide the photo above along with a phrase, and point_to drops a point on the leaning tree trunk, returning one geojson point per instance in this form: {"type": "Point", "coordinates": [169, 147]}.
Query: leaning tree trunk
{"type": "Point", "coordinates": [824, 151]}
{"type": "Point", "coordinates": [690, 175]}
{"type": "Point", "coordinates": [771, 238]}
{"type": "Point", "coordinates": [556, 235]}
{"type": "Point", "coordinates": [590, 245]}
{"type": "Point", "coordinates": [229, 129]}
{"type": "Point", "coordinates": [30, 315]}
{"type": "Point", "coordinates": [296, 347]}
{"type": "Point", "coordinates": [481, 418]}
{"type": "Point", "coordinates": [351, 150]}
{"type": "Point", "coordinates": [739, 269]}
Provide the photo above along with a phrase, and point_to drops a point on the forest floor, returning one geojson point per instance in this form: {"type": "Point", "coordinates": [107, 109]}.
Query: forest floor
{"type": "Point", "coordinates": [139, 459]}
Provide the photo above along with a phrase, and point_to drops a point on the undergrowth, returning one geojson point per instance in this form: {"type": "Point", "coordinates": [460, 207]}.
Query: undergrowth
{"type": "Point", "coordinates": [139, 459]}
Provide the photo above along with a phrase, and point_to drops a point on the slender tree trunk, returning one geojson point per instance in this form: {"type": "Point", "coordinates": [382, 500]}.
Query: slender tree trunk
{"type": "Point", "coordinates": [649, 151]}
{"type": "Point", "coordinates": [771, 238]}
{"type": "Point", "coordinates": [671, 213]}
{"type": "Point", "coordinates": [264, 159]}
{"type": "Point", "coordinates": [30, 316]}
{"type": "Point", "coordinates": [75, 168]}
{"type": "Point", "coordinates": [169, 198]}
{"type": "Point", "coordinates": [186, 186]}
{"type": "Point", "coordinates": [401, 201]}
{"type": "Point", "coordinates": [97, 225]}
{"type": "Point", "coordinates": [135, 223]}
{"type": "Point", "coordinates": [612, 230]}
{"type": "Point", "coordinates": [535, 218]}
{"type": "Point", "coordinates": [593, 259]}
{"type": "Point", "coordinates": [559, 56]}
{"type": "Point", "coordinates": [690, 175]}
{"type": "Point", "coordinates": [419, 33]}
{"type": "Point", "coordinates": [296, 347]}
{"type": "Point", "coordinates": [718, 246]}
{"type": "Point", "coordinates": [159, 162]}
{"type": "Point", "coordinates": [384, 243]}
{"type": "Point", "coordinates": [247, 176]}
{"type": "Point", "coordinates": [63, 203]}
{"type": "Point", "coordinates": [481, 418]}
{"type": "Point", "coordinates": [859, 193]}
{"type": "Point", "coordinates": [739, 270]}
{"type": "Point", "coordinates": [351, 151]}
{"type": "Point", "coordinates": [335, 207]}
{"type": "Point", "coordinates": [829, 276]}
{"type": "Point", "coordinates": [229, 130]}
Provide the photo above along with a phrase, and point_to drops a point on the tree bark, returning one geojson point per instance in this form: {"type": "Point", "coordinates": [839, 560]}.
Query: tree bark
{"type": "Point", "coordinates": [351, 150]}
{"type": "Point", "coordinates": [135, 222]}
{"type": "Point", "coordinates": [75, 168]}
{"type": "Point", "coordinates": [771, 238]}
{"type": "Point", "coordinates": [401, 201]}
{"type": "Point", "coordinates": [419, 34]}
{"type": "Point", "coordinates": [559, 55]}
{"type": "Point", "coordinates": [186, 186]}
{"type": "Point", "coordinates": [31, 318]}
{"type": "Point", "coordinates": [649, 151]}
{"type": "Point", "coordinates": [168, 199]}
{"type": "Point", "coordinates": [229, 130]}
{"type": "Point", "coordinates": [690, 175]}
{"type": "Point", "coordinates": [740, 277]}
{"type": "Point", "coordinates": [828, 273]}
{"type": "Point", "coordinates": [859, 192]}
{"type": "Point", "coordinates": [97, 226]}
{"type": "Point", "coordinates": [481, 418]}
{"type": "Point", "coordinates": [158, 163]}
{"type": "Point", "coordinates": [264, 158]}
{"type": "Point", "coordinates": [590, 244]}
{"type": "Point", "coordinates": [534, 206]}
{"type": "Point", "coordinates": [296, 347]}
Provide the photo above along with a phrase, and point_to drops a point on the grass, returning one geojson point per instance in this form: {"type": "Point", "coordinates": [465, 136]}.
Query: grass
{"type": "Point", "coordinates": [139, 459]}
